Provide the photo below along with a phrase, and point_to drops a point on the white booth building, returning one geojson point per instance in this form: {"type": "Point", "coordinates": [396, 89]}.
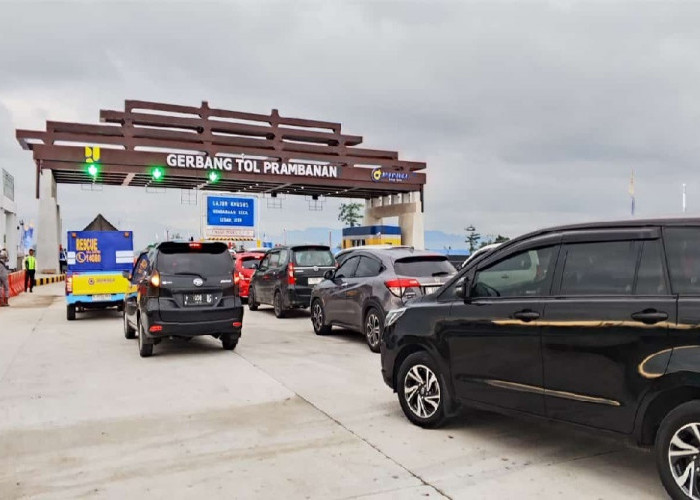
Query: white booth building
{"type": "Point", "coordinates": [8, 218]}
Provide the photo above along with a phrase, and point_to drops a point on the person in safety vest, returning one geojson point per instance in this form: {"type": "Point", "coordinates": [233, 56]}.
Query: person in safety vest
{"type": "Point", "coordinates": [30, 267]}
{"type": "Point", "coordinates": [4, 280]}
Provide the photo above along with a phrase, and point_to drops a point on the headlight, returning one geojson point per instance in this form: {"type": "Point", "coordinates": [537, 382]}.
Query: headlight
{"type": "Point", "coordinates": [393, 315]}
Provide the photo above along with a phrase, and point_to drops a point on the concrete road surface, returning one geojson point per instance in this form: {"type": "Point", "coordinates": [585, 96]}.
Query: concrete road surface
{"type": "Point", "coordinates": [287, 415]}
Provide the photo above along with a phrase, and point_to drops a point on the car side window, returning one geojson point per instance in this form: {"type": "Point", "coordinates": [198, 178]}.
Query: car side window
{"type": "Point", "coordinates": [367, 267]}
{"type": "Point", "coordinates": [141, 269]}
{"type": "Point", "coordinates": [265, 262]}
{"type": "Point", "coordinates": [601, 268]}
{"type": "Point", "coordinates": [274, 260]}
{"type": "Point", "coordinates": [683, 257]}
{"type": "Point", "coordinates": [525, 274]}
{"type": "Point", "coordinates": [347, 269]}
{"type": "Point", "coordinates": [283, 258]}
{"type": "Point", "coordinates": [650, 276]}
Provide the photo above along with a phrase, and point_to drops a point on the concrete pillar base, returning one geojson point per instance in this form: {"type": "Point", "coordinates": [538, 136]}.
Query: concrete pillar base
{"type": "Point", "coordinates": [48, 228]}
{"type": "Point", "coordinates": [407, 207]}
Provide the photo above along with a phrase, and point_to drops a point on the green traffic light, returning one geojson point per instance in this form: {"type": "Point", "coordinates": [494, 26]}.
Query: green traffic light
{"type": "Point", "coordinates": [214, 176]}
{"type": "Point", "coordinates": [93, 170]}
{"type": "Point", "coordinates": [157, 174]}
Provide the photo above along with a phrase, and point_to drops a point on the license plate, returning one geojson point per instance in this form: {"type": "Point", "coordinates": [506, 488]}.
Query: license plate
{"type": "Point", "coordinates": [314, 281]}
{"type": "Point", "coordinates": [101, 298]}
{"type": "Point", "coordinates": [199, 299]}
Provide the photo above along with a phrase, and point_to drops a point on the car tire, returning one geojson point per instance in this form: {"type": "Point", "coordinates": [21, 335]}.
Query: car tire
{"type": "Point", "coordinates": [145, 349]}
{"type": "Point", "coordinates": [421, 391]}
{"type": "Point", "coordinates": [318, 319]}
{"type": "Point", "coordinates": [373, 328]}
{"type": "Point", "coordinates": [278, 305]}
{"type": "Point", "coordinates": [70, 312]}
{"type": "Point", "coordinates": [680, 430]}
{"type": "Point", "coordinates": [252, 304]}
{"type": "Point", "coordinates": [228, 341]}
{"type": "Point", "coordinates": [129, 333]}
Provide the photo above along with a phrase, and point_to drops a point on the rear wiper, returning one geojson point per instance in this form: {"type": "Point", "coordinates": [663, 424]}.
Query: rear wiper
{"type": "Point", "coordinates": [440, 273]}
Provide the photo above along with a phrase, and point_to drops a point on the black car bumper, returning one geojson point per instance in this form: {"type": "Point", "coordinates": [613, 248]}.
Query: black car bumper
{"type": "Point", "coordinates": [388, 357]}
{"type": "Point", "coordinates": [299, 296]}
{"type": "Point", "coordinates": [156, 328]}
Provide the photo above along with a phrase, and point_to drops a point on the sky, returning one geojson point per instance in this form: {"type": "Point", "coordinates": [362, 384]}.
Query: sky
{"type": "Point", "coordinates": [528, 114]}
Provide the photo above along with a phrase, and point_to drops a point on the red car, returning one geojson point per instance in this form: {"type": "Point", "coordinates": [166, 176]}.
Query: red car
{"type": "Point", "coordinates": [245, 267]}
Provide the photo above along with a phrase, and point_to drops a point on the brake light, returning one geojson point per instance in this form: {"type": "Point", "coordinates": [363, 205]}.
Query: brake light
{"type": "Point", "coordinates": [155, 279]}
{"type": "Point", "coordinates": [69, 284]}
{"type": "Point", "coordinates": [291, 280]}
{"type": "Point", "coordinates": [236, 278]}
{"type": "Point", "coordinates": [196, 245]}
{"type": "Point", "coordinates": [398, 286]}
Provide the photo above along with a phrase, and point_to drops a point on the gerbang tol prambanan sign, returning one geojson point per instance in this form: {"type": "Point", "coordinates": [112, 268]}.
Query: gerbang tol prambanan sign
{"type": "Point", "coordinates": [252, 166]}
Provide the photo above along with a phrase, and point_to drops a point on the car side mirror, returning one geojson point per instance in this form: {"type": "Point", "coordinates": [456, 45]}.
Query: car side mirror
{"type": "Point", "coordinates": [127, 275]}
{"type": "Point", "coordinates": [462, 291]}
{"type": "Point", "coordinates": [329, 274]}
{"type": "Point", "coordinates": [256, 265]}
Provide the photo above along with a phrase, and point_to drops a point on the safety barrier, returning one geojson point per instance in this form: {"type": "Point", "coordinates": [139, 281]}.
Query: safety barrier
{"type": "Point", "coordinates": [16, 283]}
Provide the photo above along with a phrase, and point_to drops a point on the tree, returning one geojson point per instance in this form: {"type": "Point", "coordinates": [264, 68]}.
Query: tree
{"type": "Point", "coordinates": [501, 239]}
{"type": "Point", "coordinates": [350, 214]}
{"type": "Point", "coordinates": [472, 238]}
{"type": "Point", "coordinates": [498, 239]}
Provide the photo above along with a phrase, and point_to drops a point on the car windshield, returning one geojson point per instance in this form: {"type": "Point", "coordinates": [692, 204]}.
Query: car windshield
{"type": "Point", "coordinates": [422, 266]}
{"type": "Point", "coordinates": [202, 261]}
{"type": "Point", "coordinates": [309, 257]}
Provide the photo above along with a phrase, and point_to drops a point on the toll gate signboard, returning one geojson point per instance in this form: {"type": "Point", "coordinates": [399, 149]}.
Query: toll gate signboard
{"type": "Point", "coordinates": [230, 217]}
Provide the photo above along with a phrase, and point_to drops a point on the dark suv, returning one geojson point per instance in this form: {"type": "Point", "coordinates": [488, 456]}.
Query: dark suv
{"type": "Point", "coordinates": [183, 290]}
{"type": "Point", "coordinates": [371, 282]}
{"type": "Point", "coordinates": [286, 275]}
{"type": "Point", "coordinates": [595, 324]}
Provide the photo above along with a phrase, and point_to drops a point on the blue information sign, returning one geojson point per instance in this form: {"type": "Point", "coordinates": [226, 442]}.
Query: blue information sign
{"type": "Point", "coordinates": [230, 212]}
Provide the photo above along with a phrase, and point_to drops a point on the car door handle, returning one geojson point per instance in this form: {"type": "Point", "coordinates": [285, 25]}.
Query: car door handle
{"type": "Point", "coordinates": [526, 315]}
{"type": "Point", "coordinates": [650, 316]}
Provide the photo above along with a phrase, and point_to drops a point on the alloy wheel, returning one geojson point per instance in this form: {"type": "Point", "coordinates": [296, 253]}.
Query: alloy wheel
{"type": "Point", "coordinates": [373, 329]}
{"type": "Point", "coordinates": [683, 452]}
{"type": "Point", "coordinates": [317, 316]}
{"type": "Point", "coordinates": [422, 391]}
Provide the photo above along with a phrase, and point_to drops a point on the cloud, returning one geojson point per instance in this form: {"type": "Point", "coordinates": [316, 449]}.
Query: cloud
{"type": "Point", "coordinates": [528, 114]}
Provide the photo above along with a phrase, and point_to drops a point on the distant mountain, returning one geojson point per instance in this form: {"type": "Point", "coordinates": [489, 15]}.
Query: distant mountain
{"type": "Point", "coordinates": [437, 240]}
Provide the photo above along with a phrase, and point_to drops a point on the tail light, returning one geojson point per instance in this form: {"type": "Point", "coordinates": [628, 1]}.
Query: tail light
{"type": "Point", "coordinates": [69, 284]}
{"type": "Point", "coordinates": [236, 278]}
{"type": "Point", "coordinates": [291, 280]}
{"type": "Point", "coordinates": [155, 279]}
{"type": "Point", "coordinates": [155, 328]}
{"type": "Point", "coordinates": [398, 286]}
{"type": "Point", "coordinates": [196, 245]}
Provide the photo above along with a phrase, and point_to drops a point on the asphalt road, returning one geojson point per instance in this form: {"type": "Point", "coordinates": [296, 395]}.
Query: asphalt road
{"type": "Point", "coordinates": [286, 415]}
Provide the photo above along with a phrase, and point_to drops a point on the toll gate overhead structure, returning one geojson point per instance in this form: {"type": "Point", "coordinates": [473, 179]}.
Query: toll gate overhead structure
{"type": "Point", "coordinates": [151, 144]}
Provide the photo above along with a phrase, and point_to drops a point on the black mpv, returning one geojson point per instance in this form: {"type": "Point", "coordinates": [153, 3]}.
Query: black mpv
{"type": "Point", "coordinates": [285, 277]}
{"type": "Point", "coordinates": [594, 324]}
{"type": "Point", "coordinates": [183, 290]}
